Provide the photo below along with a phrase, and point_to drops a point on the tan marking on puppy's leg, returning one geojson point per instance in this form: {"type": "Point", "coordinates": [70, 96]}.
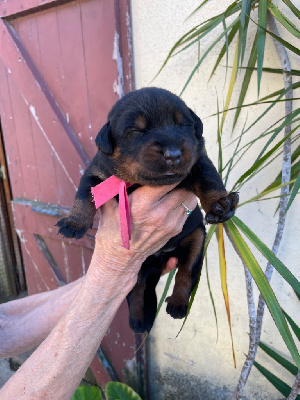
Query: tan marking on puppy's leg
{"type": "Point", "coordinates": [190, 247]}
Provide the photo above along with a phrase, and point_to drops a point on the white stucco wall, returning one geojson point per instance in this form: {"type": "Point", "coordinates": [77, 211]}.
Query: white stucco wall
{"type": "Point", "coordinates": [194, 365]}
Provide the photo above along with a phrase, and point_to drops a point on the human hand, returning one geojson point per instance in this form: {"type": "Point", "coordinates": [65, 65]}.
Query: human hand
{"type": "Point", "coordinates": [156, 215]}
{"type": "Point", "coordinates": [171, 264]}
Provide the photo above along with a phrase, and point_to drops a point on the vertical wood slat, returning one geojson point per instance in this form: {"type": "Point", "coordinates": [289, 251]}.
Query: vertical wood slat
{"type": "Point", "coordinates": [44, 49]}
{"type": "Point", "coordinates": [27, 28]}
{"type": "Point", "coordinates": [46, 158]}
{"type": "Point", "coordinates": [56, 249]}
{"type": "Point", "coordinates": [30, 246]}
{"type": "Point", "coordinates": [38, 265]}
{"type": "Point", "coordinates": [74, 256]}
{"type": "Point", "coordinates": [77, 101]}
{"type": "Point", "coordinates": [43, 107]}
{"type": "Point", "coordinates": [25, 143]}
{"type": "Point", "coordinates": [101, 75]}
{"type": "Point", "coordinates": [34, 281]}
{"type": "Point", "coordinates": [44, 154]}
{"type": "Point", "coordinates": [17, 8]}
{"type": "Point", "coordinates": [11, 143]}
{"type": "Point", "coordinates": [117, 346]}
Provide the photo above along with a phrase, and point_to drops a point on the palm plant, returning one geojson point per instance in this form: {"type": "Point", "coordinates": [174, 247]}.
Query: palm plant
{"type": "Point", "coordinates": [263, 17]}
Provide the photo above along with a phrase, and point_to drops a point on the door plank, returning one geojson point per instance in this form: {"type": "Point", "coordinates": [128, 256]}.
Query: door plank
{"type": "Point", "coordinates": [27, 30]}
{"type": "Point", "coordinates": [19, 7]}
{"type": "Point", "coordinates": [56, 248]}
{"type": "Point", "coordinates": [34, 280]}
{"type": "Point", "coordinates": [101, 71]}
{"type": "Point", "coordinates": [42, 105]}
{"type": "Point", "coordinates": [77, 101]}
{"type": "Point", "coordinates": [38, 264]}
{"type": "Point", "coordinates": [118, 343]}
{"type": "Point", "coordinates": [25, 143]}
{"type": "Point", "coordinates": [99, 372]}
{"type": "Point", "coordinates": [10, 141]}
{"type": "Point", "coordinates": [44, 225]}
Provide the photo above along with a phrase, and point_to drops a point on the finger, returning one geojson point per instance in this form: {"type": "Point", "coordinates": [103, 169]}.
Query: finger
{"type": "Point", "coordinates": [188, 202]}
{"type": "Point", "coordinates": [171, 264]}
{"type": "Point", "coordinates": [151, 194]}
{"type": "Point", "coordinates": [179, 215]}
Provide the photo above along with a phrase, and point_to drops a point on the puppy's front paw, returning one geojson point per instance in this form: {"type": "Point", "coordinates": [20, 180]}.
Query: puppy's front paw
{"type": "Point", "coordinates": [73, 226]}
{"type": "Point", "coordinates": [177, 308]}
{"type": "Point", "coordinates": [223, 209]}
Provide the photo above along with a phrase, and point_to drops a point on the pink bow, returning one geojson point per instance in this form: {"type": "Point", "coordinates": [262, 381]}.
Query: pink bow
{"type": "Point", "coordinates": [108, 189]}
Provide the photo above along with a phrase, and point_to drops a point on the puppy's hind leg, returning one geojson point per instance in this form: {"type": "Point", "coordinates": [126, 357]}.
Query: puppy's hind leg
{"type": "Point", "coordinates": [142, 300]}
{"type": "Point", "coordinates": [189, 254]}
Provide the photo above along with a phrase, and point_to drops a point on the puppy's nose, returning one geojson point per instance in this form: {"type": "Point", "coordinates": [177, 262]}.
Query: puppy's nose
{"type": "Point", "coordinates": [172, 156]}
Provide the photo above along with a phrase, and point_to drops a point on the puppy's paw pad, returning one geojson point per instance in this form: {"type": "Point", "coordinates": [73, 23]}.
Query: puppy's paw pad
{"type": "Point", "coordinates": [72, 227]}
{"type": "Point", "coordinates": [223, 209]}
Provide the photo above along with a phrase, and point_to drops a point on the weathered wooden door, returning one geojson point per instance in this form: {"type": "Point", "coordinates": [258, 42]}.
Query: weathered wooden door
{"type": "Point", "coordinates": [62, 66]}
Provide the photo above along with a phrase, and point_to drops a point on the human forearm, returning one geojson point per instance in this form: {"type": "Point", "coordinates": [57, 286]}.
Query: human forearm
{"type": "Point", "coordinates": [59, 363]}
{"type": "Point", "coordinates": [25, 323]}
{"type": "Point", "coordinates": [56, 367]}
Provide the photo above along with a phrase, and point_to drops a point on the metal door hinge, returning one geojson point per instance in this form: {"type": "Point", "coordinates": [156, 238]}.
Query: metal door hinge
{"type": "Point", "coordinates": [2, 172]}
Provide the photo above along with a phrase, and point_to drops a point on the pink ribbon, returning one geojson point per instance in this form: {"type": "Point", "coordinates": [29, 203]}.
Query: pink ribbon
{"type": "Point", "coordinates": [108, 189]}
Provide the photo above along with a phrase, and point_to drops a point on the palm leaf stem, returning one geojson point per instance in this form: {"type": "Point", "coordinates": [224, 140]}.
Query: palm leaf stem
{"type": "Point", "coordinates": [286, 166]}
{"type": "Point", "coordinates": [295, 388]}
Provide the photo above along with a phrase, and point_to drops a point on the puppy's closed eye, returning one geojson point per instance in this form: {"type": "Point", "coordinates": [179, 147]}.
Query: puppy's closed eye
{"type": "Point", "coordinates": [132, 131]}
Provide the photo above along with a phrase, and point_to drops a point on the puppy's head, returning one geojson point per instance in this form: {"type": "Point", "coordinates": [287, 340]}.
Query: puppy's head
{"type": "Point", "coordinates": [152, 137]}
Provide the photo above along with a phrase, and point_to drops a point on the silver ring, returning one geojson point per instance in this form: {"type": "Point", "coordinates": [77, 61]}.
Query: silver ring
{"type": "Point", "coordinates": [187, 210]}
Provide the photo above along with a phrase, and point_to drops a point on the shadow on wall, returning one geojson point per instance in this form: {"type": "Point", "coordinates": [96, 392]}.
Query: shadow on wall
{"type": "Point", "coordinates": [168, 384]}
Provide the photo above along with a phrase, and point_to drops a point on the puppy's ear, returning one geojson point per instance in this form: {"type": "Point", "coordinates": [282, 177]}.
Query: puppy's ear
{"type": "Point", "coordinates": [103, 139]}
{"type": "Point", "coordinates": [198, 124]}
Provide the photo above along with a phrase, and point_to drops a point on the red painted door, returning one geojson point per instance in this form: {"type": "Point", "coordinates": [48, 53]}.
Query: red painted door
{"type": "Point", "coordinates": [62, 67]}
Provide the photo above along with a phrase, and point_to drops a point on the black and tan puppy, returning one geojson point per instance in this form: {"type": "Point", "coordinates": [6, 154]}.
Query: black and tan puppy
{"type": "Point", "coordinates": [152, 138]}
